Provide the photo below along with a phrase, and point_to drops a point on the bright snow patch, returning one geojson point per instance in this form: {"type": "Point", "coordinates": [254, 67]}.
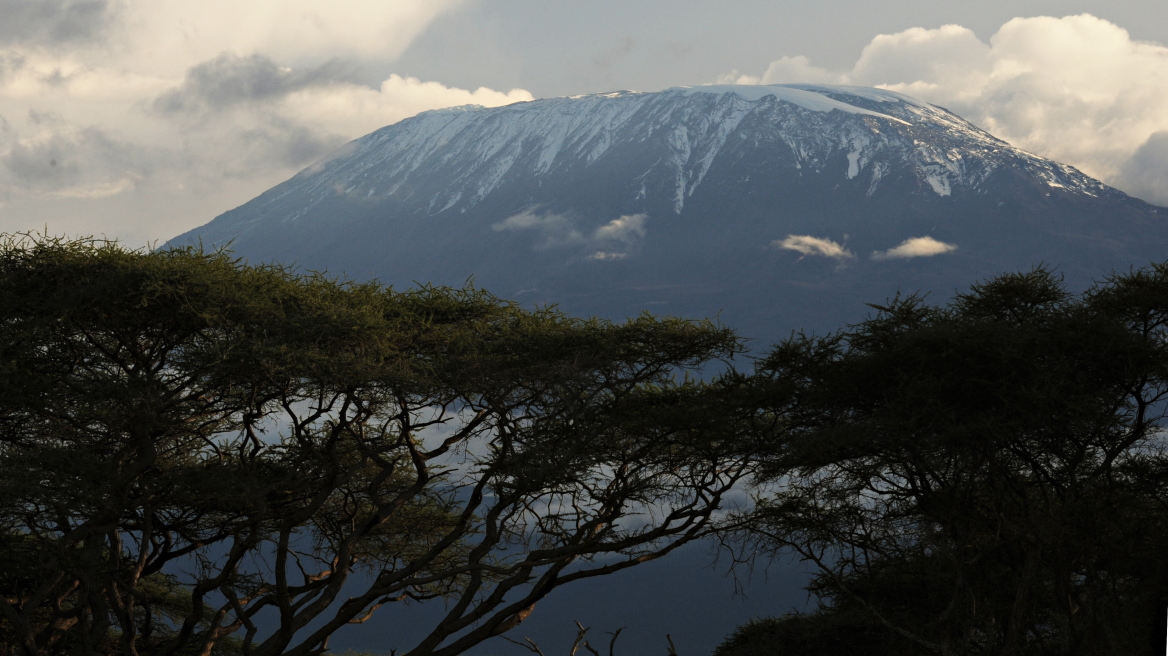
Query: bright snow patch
{"type": "Point", "coordinates": [853, 165]}
{"type": "Point", "coordinates": [915, 247]}
{"type": "Point", "coordinates": [940, 184]}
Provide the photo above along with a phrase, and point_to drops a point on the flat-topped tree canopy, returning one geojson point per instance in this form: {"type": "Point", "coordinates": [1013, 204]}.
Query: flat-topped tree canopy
{"type": "Point", "coordinates": [201, 456]}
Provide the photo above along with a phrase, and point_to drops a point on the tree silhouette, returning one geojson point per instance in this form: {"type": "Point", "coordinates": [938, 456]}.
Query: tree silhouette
{"type": "Point", "coordinates": [985, 477]}
{"type": "Point", "coordinates": [205, 457]}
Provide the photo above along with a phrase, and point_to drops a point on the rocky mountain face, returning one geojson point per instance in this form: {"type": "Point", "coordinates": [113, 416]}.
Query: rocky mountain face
{"type": "Point", "coordinates": [778, 206]}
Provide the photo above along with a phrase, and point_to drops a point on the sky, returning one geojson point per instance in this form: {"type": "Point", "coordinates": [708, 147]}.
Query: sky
{"type": "Point", "coordinates": [142, 119]}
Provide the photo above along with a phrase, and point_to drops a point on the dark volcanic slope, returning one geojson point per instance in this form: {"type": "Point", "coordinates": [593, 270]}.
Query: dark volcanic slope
{"type": "Point", "coordinates": [678, 202]}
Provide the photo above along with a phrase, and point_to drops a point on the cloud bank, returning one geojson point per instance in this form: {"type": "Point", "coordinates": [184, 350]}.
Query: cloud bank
{"type": "Point", "coordinates": [1076, 89]}
{"type": "Point", "coordinates": [140, 119]}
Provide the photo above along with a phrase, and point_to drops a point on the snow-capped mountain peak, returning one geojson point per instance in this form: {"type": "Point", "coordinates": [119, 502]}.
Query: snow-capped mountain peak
{"type": "Point", "coordinates": [473, 150]}
{"type": "Point", "coordinates": [690, 197]}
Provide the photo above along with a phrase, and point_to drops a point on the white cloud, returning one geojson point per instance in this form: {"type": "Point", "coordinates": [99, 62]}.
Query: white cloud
{"type": "Point", "coordinates": [951, 53]}
{"type": "Point", "coordinates": [915, 247]}
{"type": "Point", "coordinates": [808, 245]}
{"type": "Point", "coordinates": [1076, 89]}
{"type": "Point", "coordinates": [554, 230]}
{"type": "Point", "coordinates": [530, 220]}
{"type": "Point", "coordinates": [627, 228]}
{"type": "Point", "coordinates": [357, 109]}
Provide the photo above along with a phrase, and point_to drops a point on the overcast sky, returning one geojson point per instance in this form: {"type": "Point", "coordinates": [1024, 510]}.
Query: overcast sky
{"type": "Point", "coordinates": [140, 119]}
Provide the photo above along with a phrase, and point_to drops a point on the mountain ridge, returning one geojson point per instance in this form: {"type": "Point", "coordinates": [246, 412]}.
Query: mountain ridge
{"type": "Point", "coordinates": [681, 200]}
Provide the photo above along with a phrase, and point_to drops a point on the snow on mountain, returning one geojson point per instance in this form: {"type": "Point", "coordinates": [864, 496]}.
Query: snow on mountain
{"type": "Point", "coordinates": [873, 128]}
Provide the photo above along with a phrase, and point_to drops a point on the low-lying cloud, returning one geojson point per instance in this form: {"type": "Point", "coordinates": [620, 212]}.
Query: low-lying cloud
{"type": "Point", "coordinates": [556, 231]}
{"type": "Point", "coordinates": [1076, 89]}
{"type": "Point", "coordinates": [627, 228]}
{"type": "Point", "coordinates": [915, 247]}
{"type": "Point", "coordinates": [808, 245]}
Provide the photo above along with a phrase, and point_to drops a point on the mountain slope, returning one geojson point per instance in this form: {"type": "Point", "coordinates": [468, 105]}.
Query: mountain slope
{"type": "Point", "coordinates": [767, 203]}
{"type": "Point", "coordinates": [774, 207]}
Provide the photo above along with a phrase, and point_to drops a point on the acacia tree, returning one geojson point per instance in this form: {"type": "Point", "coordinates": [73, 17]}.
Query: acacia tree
{"type": "Point", "coordinates": [986, 477]}
{"type": "Point", "coordinates": [200, 456]}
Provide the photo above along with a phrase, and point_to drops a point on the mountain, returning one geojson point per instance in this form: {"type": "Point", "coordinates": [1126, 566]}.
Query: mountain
{"type": "Point", "coordinates": [780, 206]}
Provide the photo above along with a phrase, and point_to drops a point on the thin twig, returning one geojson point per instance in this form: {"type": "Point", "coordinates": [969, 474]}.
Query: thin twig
{"type": "Point", "coordinates": [612, 643]}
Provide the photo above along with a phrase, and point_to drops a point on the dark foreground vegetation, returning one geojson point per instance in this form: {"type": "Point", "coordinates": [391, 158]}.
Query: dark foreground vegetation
{"type": "Point", "coordinates": [202, 457]}
{"type": "Point", "coordinates": [987, 477]}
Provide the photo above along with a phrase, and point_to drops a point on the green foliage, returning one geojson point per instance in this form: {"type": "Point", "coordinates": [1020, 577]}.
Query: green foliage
{"type": "Point", "coordinates": [825, 633]}
{"type": "Point", "coordinates": [986, 477]}
{"type": "Point", "coordinates": [205, 457]}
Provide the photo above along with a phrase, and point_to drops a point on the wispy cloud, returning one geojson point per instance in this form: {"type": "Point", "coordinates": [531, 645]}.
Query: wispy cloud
{"type": "Point", "coordinates": [915, 247]}
{"type": "Point", "coordinates": [627, 228]}
{"type": "Point", "coordinates": [558, 231]}
{"type": "Point", "coordinates": [610, 56]}
{"type": "Point", "coordinates": [808, 245]}
{"type": "Point", "coordinates": [230, 79]}
{"type": "Point", "coordinates": [602, 255]}
{"type": "Point", "coordinates": [55, 158]}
